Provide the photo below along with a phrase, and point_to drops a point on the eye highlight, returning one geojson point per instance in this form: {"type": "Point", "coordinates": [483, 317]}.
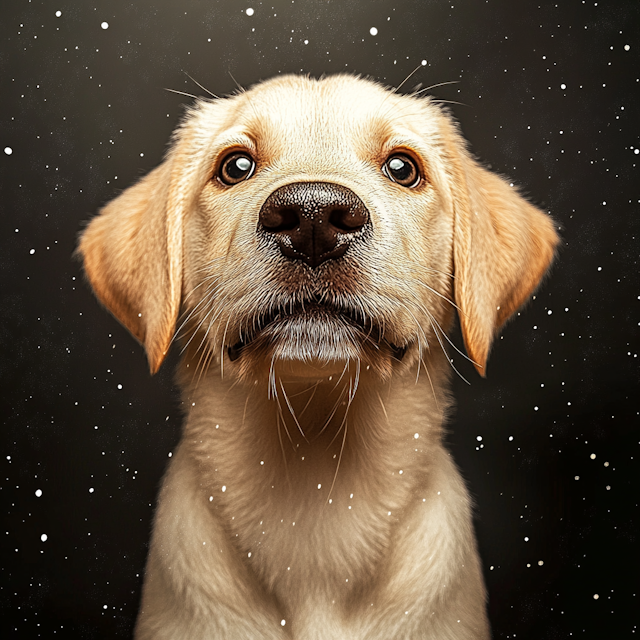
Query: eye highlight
{"type": "Point", "coordinates": [236, 167]}
{"type": "Point", "coordinates": [401, 169]}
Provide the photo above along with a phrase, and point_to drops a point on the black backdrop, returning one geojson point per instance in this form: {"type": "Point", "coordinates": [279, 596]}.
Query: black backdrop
{"type": "Point", "coordinates": [548, 442]}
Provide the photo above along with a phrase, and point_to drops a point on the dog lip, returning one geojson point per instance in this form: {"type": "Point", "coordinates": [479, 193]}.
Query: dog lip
{"type": "Point", "coordinates": [369, 329]}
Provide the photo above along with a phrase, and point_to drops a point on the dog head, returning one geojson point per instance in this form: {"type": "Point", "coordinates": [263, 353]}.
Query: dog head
{"type": "Point", "coordinates": [308, 223]}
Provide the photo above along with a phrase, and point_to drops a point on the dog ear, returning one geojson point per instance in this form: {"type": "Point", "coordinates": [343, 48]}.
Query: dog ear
{"type": "Point", "coordinates": [132, 254]}
{"type": "Point", "coordinates": [503, 246]}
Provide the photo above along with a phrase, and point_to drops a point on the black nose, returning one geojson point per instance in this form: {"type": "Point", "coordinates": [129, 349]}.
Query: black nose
{"type": "Point", "coordinates": [313, 221]}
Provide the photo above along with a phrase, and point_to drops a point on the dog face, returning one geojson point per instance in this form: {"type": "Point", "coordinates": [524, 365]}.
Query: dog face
{"type": "Point", "coordinates": [307, 224]}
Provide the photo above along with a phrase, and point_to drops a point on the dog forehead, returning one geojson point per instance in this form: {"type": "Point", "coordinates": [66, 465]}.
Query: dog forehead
{"type": "Point", "coordinates": [336, 112]}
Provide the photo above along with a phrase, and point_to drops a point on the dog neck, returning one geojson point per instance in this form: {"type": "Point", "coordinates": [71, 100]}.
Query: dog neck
{"type": "Point", "coordinates": [313, 452]}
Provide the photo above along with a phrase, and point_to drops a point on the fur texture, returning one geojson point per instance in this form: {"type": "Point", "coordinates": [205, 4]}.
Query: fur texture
{"type": "Point", "coordinates": [311, 496]}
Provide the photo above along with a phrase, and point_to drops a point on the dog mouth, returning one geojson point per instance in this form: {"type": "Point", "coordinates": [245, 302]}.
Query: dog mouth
{"type": "Point", "coordinates": [313, 331]}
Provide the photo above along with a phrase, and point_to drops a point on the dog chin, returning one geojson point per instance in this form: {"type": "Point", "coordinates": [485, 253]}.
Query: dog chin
{"type": "Point", "coordinates": [312, 346]}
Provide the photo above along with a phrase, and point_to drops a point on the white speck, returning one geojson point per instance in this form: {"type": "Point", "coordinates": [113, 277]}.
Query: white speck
{"type": "Point", "coordinates": [526, 539]}
{"type": "Point", "coordinates": [424, 63]}
{"type": "Point", "coordinates": [250, 12]}
{"type": "Point", "coordinates": [549, 312]}
{"type": "Point", "coordinates": [105, 25]}
{"type": "Point", "coordinates": [104, 606]}
{"type": "Point", "coordinates": [416, 435]}
{"type": "Point", "coordinates": [91, 490]}
{"type": "Point", "coordinates": [608, 487]}
{"type": "Point", "coordinates": [510, 438]}
{"type": "Point", "coordinates": [119, 386]}
{"type": "Point", "coordinates": [576, 478]}
{"type": "Point", "coordinates": [43, 537]}
{"type": "Point", "coordinates": [535, 408]}
{"type": "Point", "coordinates": [283, 622]}
{"type": "Point", "coordinates": [604, 202]}
{"type": "Point", "coordinates": [593, 456]}
{"type": "Point", "coordinates": [606, 464]}
{"type": "Point", "coordinates": [32, 251]}
{"type": "Point", "coordinates": [319, 486]}
{"type": "Point", "coordinates": [401, 472]}
{"type": "Point", "coordinates": [170, 454]}
{"type": "Point", "coordinates": [627, 47]}
{"type": "Point", "coordinates": [38, 493]}
{"type": "Point", "coordinates": [599, 268]}
{"type": "Point", "coordinates": [210, 498]}
{"type": "Point", "coordinates": [595, 596]}
{"type": "Point", "coordinates": [636, 151]}
{"type": "Point", "coordinates": [373, 31]}
{"type": "Point", "coordinates": [479, 438]}
{"type": "Point", "coordinates": [58, 14]}
{"type": "Point", "coordinates": [8, 150]}
{"type": "Point", "coordinates": [224, 488]}
{"type": "Point", "coordinates": [540, 563]}
{"type": "Point", "coordinates": [563, 86]}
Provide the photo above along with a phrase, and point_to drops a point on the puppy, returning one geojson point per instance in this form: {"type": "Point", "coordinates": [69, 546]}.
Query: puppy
{"type": "Point", "coordinates": [310, 242]}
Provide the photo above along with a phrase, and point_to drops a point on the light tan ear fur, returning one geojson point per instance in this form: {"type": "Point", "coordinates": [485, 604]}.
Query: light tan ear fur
{"type": "Point", "coordinates": [132, 255]}
{"type": "Point", "coordinates": [503, 246]}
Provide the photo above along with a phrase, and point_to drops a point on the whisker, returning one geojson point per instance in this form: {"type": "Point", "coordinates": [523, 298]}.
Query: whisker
{"type": "Point", "coordinates": [450, 361]}
{"type": "Point", "coordinates": [450, 102]}
{"type": "Point", "coordinates": [284, 454]}
{"type": "Point", "coordinates": [293, 415]}
{"type": "Point", "coordinates": [433, 86]}
{"type": "Point", "coordinates": [313, 393]}
{"type": "Point", "coordinates": [242, 89]}
{"type": "Point", "coordinates": [284, 423]}
{"type": "Point", "coordinates": [224, 337]}
{"type": "Point", "coordinates": [182, 93]}
{"type": "Point", "coordinates": [396, 89]}
{"type": "Point", "coordinates": [345, 425]}
{"type": "Point", "coordinates": [333, 412]}
{"type": "Point", "coordinates": [203, 88]}
{"type": "Point", "coordinates": [384, 409]}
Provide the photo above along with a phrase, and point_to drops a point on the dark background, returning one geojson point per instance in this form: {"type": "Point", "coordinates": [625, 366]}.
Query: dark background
{"type": "Point", "coordinates": [548, 442]}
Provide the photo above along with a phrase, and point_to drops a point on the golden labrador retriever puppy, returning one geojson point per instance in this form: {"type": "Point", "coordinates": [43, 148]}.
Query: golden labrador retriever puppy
{"type": "Point", "coordinates": [310, 242]}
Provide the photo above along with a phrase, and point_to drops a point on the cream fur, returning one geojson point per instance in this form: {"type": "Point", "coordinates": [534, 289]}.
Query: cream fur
{"type": "Point", "coordinates": [311, 496]}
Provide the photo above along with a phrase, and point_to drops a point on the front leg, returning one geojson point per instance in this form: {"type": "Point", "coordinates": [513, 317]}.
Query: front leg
{"type": "Point", "coordinates": [196, 587]}
{"type": "Point", "coordinates": [431, 587]}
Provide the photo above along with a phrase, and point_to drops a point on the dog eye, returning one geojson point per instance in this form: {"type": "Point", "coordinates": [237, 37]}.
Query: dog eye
{"type": "Point", "coordinates": [402, 169]}
{"type": "Point", "coordinates": [236, 167]}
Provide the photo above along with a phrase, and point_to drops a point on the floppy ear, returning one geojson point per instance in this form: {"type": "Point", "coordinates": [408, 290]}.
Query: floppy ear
{"type": "Point", "coordinates": [503, 246]}
{"type": "Point", "coordinates": [132, 255]}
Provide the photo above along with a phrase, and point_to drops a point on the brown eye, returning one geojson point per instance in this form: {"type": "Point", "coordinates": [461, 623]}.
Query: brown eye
{"type": "Point", "coordinates": [236, 167]}
{"type": "Point", "coordinates": [401, 169]}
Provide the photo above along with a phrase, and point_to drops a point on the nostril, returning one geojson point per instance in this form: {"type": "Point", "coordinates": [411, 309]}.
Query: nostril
{"type": "Point", "coordinates": [347, 219]}
{"type": "Point", "coordinates": [277, 219]}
